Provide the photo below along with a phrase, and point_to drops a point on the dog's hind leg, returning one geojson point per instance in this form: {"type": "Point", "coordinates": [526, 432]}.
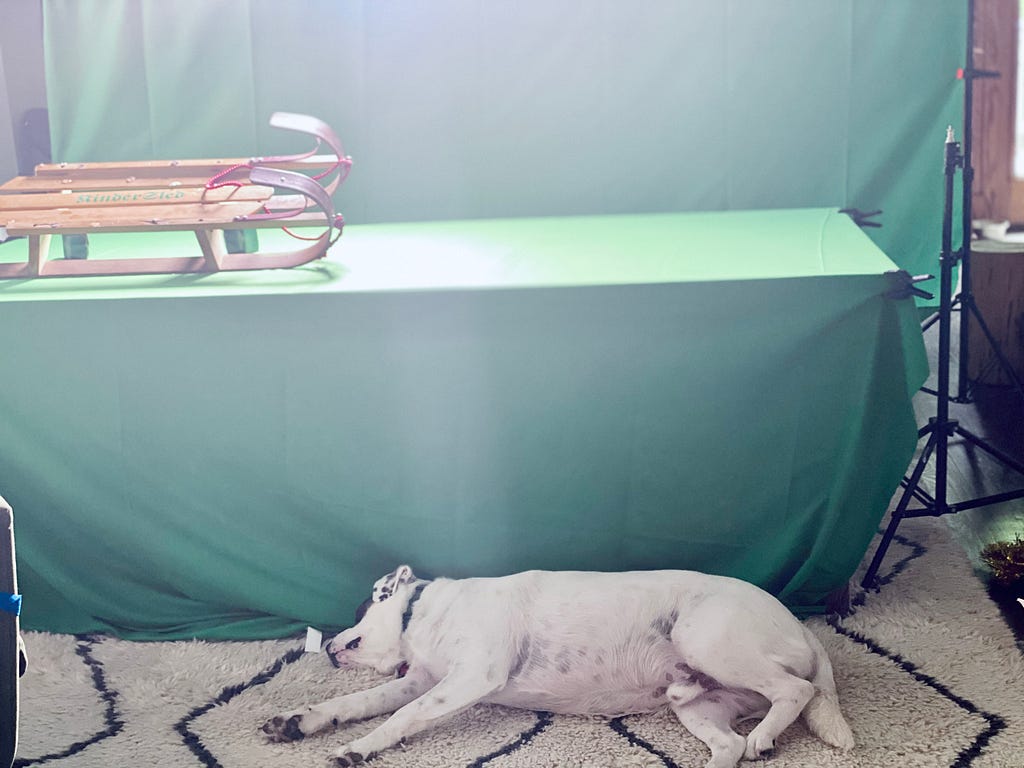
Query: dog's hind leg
{"type": "Point", "coordinates": [786, 693]}
{"type": "Point", "coordinates": [773, 660]}
{"type": "Point", "coordinates": [710, 718]}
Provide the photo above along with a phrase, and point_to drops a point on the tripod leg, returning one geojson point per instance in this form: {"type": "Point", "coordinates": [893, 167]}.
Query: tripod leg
{"type": "Point", "coordinates": [996, 347]}
{"type": "Point", "coordinates": [1004, 458]}
{"type": "Point", "coordinates": [870, 580]}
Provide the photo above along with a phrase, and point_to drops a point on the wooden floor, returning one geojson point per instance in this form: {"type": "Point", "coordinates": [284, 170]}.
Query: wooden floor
{"type": "Point", "coordinates": [995, 413]}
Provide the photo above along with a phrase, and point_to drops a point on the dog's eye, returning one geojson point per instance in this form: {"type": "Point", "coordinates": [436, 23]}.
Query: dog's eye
{"type": "Point", "coordinates": [351, 645]}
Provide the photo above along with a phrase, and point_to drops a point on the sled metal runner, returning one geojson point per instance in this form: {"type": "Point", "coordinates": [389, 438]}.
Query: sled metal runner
{"type": "Point", "coordinates": [206, 197]}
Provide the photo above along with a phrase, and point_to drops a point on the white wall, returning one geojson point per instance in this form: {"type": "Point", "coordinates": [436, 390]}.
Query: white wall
{"type": "Point", "coordinates": [8, 158]}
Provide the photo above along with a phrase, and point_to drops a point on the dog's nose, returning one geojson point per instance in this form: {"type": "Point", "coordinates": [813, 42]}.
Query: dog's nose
{"type": "Point", "coordinates": [329, 650]}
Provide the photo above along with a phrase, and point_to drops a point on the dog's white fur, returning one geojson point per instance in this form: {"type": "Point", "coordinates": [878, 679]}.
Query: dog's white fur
{"type": "Point", "coordinates": [715, 650]}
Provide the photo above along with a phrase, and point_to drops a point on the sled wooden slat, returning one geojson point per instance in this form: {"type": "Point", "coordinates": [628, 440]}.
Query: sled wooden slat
{"type": "Point", "coordinates": [204, 196]}
{"type": "Point", "coordinates": [82, 177]}
{"type": "Point", "coordinates": [63, 201]}
{"type": "Point", "coordinates": [135, 218]}
{"type": "Point", "coordinates": [37, 184]}
{"type": "Point", "coordinates": [161, 168]}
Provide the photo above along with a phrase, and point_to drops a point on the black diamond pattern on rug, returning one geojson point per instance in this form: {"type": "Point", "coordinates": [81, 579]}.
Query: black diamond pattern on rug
{"type": "Point", "coordinates": [912, 699]}
{"type": "Point", "coordinates": [93, 695]}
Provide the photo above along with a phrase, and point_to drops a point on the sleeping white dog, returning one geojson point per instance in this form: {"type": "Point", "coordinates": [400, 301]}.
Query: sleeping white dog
{"type": "Point", "coordinates": [715, 650]}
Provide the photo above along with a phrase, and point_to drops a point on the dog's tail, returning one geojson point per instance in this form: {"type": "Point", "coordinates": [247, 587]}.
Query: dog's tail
{"type": "Point", "coordinates": [822, 713]}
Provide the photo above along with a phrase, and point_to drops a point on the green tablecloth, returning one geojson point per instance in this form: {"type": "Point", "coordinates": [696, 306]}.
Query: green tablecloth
{"type": "Point", "coordinates": [241, 455]}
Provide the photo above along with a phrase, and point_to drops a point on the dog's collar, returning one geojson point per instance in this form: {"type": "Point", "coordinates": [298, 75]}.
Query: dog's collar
{"type": "Point", "coordinates": [407, 616]}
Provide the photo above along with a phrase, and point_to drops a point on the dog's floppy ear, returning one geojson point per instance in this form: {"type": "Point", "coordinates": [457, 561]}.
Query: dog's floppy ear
{"type": "Point", "coordinates": [386, 587]}
{"type": "Point", "coordinates": [404, 575]}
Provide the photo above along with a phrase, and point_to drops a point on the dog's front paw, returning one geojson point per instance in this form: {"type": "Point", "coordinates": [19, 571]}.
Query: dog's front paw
{"type": "Point", "coordinates": [346, 759]}
{"type": "Point", "coordinates": [354, 753]}
{"type": "Point", "coordinates": [759, 745]}
{"type": "Point", "coordinates": [284, 728]}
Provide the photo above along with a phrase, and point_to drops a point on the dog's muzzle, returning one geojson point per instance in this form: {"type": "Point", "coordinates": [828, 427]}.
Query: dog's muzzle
{"type": "Point", "coordinates": [340, 659]}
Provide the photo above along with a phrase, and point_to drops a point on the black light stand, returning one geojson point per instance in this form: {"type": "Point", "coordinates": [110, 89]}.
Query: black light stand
{"type": "Point", "coordinates": [941, 428]}
{"type": "Point", "coordinates": [965, 298]}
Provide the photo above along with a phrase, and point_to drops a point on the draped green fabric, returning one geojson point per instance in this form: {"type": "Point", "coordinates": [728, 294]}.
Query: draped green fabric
{"type": "Point", "coordinates": [471, 391]}
{"type": "Point", "coordinates": [457, 109]}
{"type": "Point", "coordinates": [239, 455]}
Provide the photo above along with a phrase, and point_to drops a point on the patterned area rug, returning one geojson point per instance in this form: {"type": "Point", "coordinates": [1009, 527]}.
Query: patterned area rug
{"type": "Point", "coordinates": [928, 674]}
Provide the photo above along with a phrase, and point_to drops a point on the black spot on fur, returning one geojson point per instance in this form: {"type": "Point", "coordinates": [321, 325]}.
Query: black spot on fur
{"type": "Point", "coordinates": [291, 730]}
{"type": "Point", "coordinates": [659, 691]}
{"type": "Point", "coordinates": [538, 659]}
{"type": "Point", "coordinates": [522, 654]}
{"type": "Point", "coordinates": [706, 682]}
{"type": "Point", "coordinates": [663, 624]}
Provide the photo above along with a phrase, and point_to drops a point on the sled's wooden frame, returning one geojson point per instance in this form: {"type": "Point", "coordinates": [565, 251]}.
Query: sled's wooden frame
{"type": "Point", "coordinates": [202, 196]}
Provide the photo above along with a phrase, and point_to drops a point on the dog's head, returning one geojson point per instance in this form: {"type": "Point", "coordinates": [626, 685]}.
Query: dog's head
{"type": "Point", "coordinates": [375, 640]}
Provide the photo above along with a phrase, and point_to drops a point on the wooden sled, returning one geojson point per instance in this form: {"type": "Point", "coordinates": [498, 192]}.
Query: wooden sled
{"type": "Point", "coordinates": [202, 196]}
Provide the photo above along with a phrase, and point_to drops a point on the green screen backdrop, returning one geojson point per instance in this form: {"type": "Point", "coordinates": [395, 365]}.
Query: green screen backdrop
{"type": "Point", "coordinates": [483, 421]}
{"type": "Point", "coordinates": [458, 109]}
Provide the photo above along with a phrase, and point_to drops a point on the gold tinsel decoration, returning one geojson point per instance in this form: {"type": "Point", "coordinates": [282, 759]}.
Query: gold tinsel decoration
{"type": "Point", "coordinates": [1006, 559]}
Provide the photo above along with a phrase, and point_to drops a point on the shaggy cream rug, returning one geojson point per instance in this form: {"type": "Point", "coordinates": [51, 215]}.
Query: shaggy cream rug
{"type": "Point", "coordinates": [928, 673]}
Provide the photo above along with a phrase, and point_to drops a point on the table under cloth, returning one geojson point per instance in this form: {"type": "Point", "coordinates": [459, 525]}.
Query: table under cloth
{"type": "Point", "coordinates": [240, 455]}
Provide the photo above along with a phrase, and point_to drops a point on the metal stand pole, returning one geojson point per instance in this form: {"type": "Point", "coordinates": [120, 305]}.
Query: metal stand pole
{"type": "Point", "coordinates": [940, 428]}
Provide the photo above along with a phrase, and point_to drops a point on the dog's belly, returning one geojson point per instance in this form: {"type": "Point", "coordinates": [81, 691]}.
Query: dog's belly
{"type": "Point", "coordinates": [581, 700]}
{"type": "Point", "coordinates": [627, 678]}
